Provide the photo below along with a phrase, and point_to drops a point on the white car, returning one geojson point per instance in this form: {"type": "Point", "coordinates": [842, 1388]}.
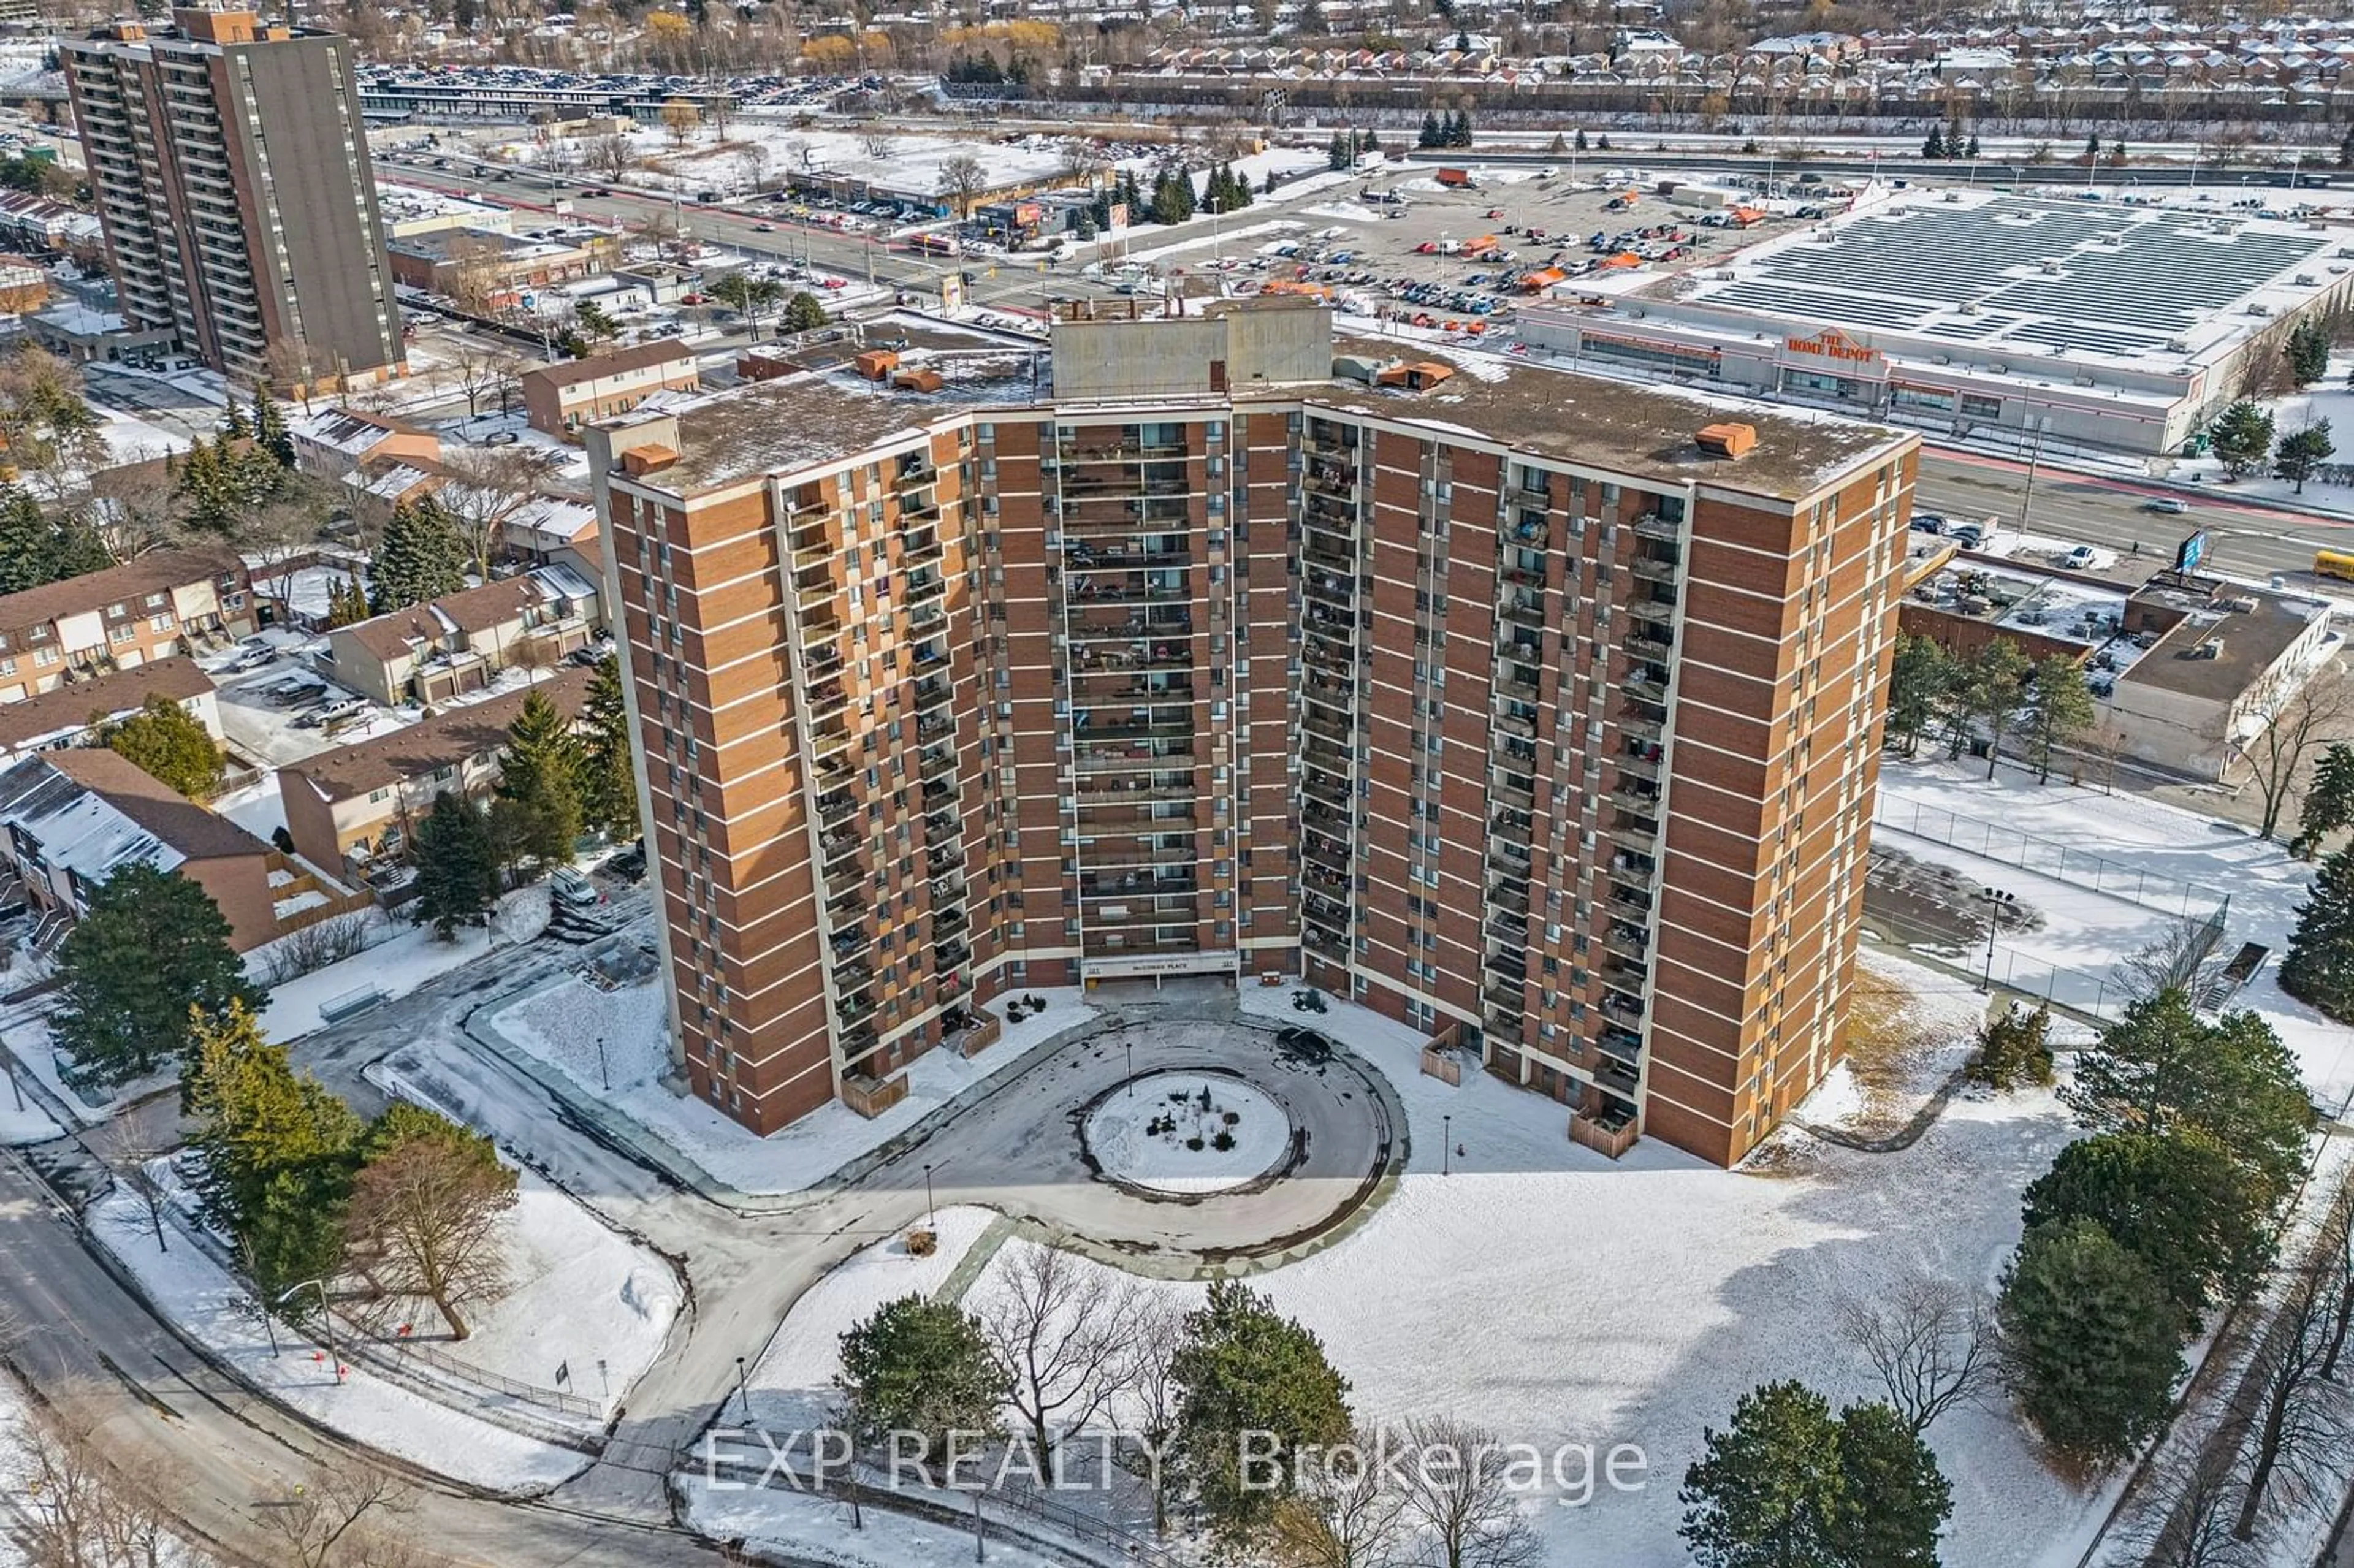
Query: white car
{"type": "Point", "coordinates": [2172, 505]}
{"type": "Point", "coordinates": [2081, 556]}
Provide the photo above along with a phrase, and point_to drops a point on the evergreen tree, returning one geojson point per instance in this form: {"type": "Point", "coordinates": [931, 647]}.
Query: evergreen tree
{"type": "Point", "coordinates": [2094, 1341]}
{"type": "Point", "coordinates": [1935, 146]}
{"type": "Point", "coordinates": [274, 1152]}
{"type": "Point", "coordinates": [2015, 1048]}
{"type": "Point", "coordinates": [2093, 148]}
{"type": "Point", "coordinates": [1973, 151]}
{"type": "Point", "coordinates": [1896, 1499]}
{"type": "Point", "coordinates": [151, 951]}
{"type": "Point", "coordinates": [2309, 351]}
{"type": "Point", "coordinates": [457, 879]}
{"type": "Point", "coordinates": [422, 556]}
{"type": "Point", "coordinates": [209, 484]}
{"type": "Point", "coordinates": [1919, 682]}
{"type": "Point", "coordinates": [2175, 1201]}
{"type": "Point", "coordinates": [168, 743]}
{"type": "Point", "coordinates": [35, 549]}
{"type": "Point", "coordinates": [609, 788]}
{"type": "Point", "coordinates": [1244, 1368]}
{"type": "Point", "coordinates": [2303, 450]}
{"type": "Point", "coordinates": [2345, 150]}
{"type": "Point", "coordinates": [2162, 1068]}
{"type": "Point", "coordinates": [2319, 968]}
{"type": "Point", "coordinates": [1767, 1492]}
{"type": "Point", "coordinates": [1371, 141]}
{"type": "Point", "coordinates": [1983, 697]}
{"type": "Point", "coordinates": [1336, 154]}
{"type": "Point", "coordinates": [922, 1367]}
{"type": "Point", "coordinates": [1578, 141]}
{"type": "Point", "coordinates": [541, 775]}
{"type": "Point", "coordinates": [2329, 800]}
{"type": "Point", "coordinates": [2241, 438]}
{"type": "Point", "coordinates": [270, 436]}
{"type": "Point", "coordinates": [2059, 709]}
{"type": "Point", "coordinates": [803, 312]}
{"type": "Point", "coordinates": [233, 426]}
{"type": "Point", "coordinates": [1430, 131]}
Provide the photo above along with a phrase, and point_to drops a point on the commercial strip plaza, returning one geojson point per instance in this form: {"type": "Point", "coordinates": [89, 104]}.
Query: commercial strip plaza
{"type": "Point", "coordinates": [1980, 314]}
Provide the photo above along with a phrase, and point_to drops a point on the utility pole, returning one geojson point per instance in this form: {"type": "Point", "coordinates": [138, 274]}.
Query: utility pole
{"type": "Point", "coordinates": [2034, 460]}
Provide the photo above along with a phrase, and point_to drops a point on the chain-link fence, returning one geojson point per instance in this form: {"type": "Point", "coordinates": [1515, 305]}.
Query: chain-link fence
{"type": "Point", "coordinates": [2076, 867]}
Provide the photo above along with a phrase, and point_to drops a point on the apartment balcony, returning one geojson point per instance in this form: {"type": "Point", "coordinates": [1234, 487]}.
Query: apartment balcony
{"type": "Point", "coordinates": [818, 629]}
{"type": "Point", "coordinates": [851, 941]}
{"type": "Point", "coordinates": [1099, 557]}
{"type": "Point", "coordinates": [1655, 609]}
{"type": "Point", "coordinates": [1628, 903]}
{"type": "Point", "coordinates": [1131, 918]}
{"type": "Point", "coordinates": [1656, 569]}
{"type": "Point", "coordinates": [1651, 525]}
{"type": "Point", "coordinates": [923, 587]}
{"type": "Point", "coordinates": [1617, 1076]}
{"type": "Point", "coordinates": [856, 1009]}
{"type": "Point", "coordinates": [1324, 558]}
{"type": "Point", "coordinates": [1337, 481]}
{"type": "Point", "coordinates": [1323, 787]}
{"type": "Point", "coordinates": [1314, 852]}
{"type": "Point", "coordinates": [825, 696]}
{"type": "Point", "coordinates": [1316, 753]}
{"type": "Point", "coordinates": [1631, 768]}
{"type": "Point", "coordinates": [926, 617]}
{"type": "Point", "coordinates": [1326, 651]}
{"type": "Point", "coordinates": [936, 762]}
{"type": "Point", "coordinates": [1134, 851]}
{"type": "Point", "coordinates": [1642, 803]}
{"type": "Point", "coordinates": [1512, 725]}
{"type": "Point", "coordinates": [1337, 591]}
{"type": "Point", "coordinates": [1098, 625]}
{"type": "Point", "coordinates": [1169, 727]}
{"type": "Point", "coordinates": [948, 923]}
{"type": "Point", "coordinates": [1132, 588]}
{"type": "Point", "coordinates": [1101, 788]}
{"type": "Point", "coordinates": [846, 885]}
{"type": "Point", "coordinates": [1637, 727]}
{"type": "Point", "coordinates": [1324, 691]}
{"type": "Point", "coordinates": [1646, 644]}
{"type": "Point", "coordinates": [1509, 892]}
{"type": "Point", "coordinates": [1139, 885]}
{"type": "Point", "coordinates": [1326, 914]}
{"type": "Point", "coordinates": [1324, 944]}
{"type": "Point", "coordinates": [1508, 999]}
{"type": "Point", "coordinates": [828, 737]}
{"type": "Point", "coordinates": [835, 809]}
{"type": "Point", "coordinates": [1515, 689]}
{"type": "Point", "coordinates": [921, 547]}
{"type": "Point", "coordinates": [1647, 684]}
{"type": "Point", "coordinates": [1525, 609]}
{"type": "Point", "coordinates": [1634, 835]}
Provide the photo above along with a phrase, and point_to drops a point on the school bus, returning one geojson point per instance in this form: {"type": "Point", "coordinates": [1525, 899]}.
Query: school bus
{"type": "Point", "coordinates": [2334, 564]}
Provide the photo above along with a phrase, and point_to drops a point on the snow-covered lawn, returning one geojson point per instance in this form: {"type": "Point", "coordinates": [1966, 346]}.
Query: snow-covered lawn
{"type": "Point", "coordinates": [408, 957]}
{"type": "Point", "coordinates": [27, 1126]}
{"type": "Point", "coordinates": [256, 805]}
{"type": "Point", "coordinates": [214, 1308]}
{"type": "Point", "coordinates": [1913, 1027]}
{"type": "Point", "coordinates": [30, 1044]}
{"type": "Point", "coordinates": [814, 1529]}
{"type": "Point", "coordinates": [2091, 931]}
{"type": "Point", "coordinates": [563, 1021]}
{"type": "Point", "coordinates": [2330, 399]}
{"type": "Point", "coordinates": [791, 1387]}
{"type": "Point", "coordinates": [1157, 1133]}
{"type": "Point", "coordinates": [580, 1297]}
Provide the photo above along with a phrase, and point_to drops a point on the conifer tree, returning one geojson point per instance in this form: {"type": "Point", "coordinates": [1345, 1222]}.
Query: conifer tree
{"type": "Point", "coordinates": [609, 788]}
{"type": "Point", "coordinates": [2319, 968]}
{"type": "Point", "coordinates": [421, 557]}
{"type": "Point", "coordinates": [2329, 800]}
{"type": "Point", "coordinates": [150, 949]}
{"type": "Point", "coordinates": [271, 435]}
{"type": "Point", "coordinates": [541, 775]}
{"type": "Point", "coordinates": [457, 876]}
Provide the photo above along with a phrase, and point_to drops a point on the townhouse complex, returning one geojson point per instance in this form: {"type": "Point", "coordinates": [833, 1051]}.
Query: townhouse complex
{"type": "Point", "coordinates": [1539, 714]}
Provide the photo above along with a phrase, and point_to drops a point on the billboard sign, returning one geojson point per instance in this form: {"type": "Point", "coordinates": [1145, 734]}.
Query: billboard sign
{"type": "Point", "coordinates": [2191, 552]}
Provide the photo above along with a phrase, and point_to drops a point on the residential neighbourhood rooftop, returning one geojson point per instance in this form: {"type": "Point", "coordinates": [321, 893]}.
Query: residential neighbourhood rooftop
{"type": "Point", "coordinates": [69, 709]}
{"type": "Point", "coordinates": [141, 576]}
{"type": "Point", "coordinates": [444, 741]}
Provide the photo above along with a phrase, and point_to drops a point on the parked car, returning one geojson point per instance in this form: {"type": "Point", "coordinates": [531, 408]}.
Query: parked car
{"type": "Point", "coordinates": [2081, 556]}
{"type": "Point", "coordinates": [1928, 522]}
{"type": "Point", "coordinates": [569, 886]}
{"type": "Point", "coordinates": [2172, 505]}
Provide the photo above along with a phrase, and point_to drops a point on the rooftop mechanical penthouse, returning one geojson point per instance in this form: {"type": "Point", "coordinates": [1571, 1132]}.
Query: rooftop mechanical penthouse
{"type": "Point", "coordinates": [1539, 713]}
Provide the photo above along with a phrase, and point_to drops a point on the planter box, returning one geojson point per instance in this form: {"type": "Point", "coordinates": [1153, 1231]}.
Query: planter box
{"type": "Point", "coordinates": [870, 1098]}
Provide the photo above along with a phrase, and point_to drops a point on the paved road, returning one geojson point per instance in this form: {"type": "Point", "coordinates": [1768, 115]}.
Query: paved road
{"type": "Point", "coordinates": [2245, 539]}
{"type": "Point", "coordinates": [170, 1414]}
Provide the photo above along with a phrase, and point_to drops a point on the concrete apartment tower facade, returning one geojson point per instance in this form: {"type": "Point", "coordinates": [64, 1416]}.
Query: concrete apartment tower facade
{"type": "Point", "coordinates": [1494, 701]}
{"type": "Point", "coordinates": [231, 165]}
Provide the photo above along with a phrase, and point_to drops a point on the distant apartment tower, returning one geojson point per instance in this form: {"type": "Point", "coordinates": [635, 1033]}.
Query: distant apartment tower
{"type": "Point", "coordinates": [230, 166]}
{"type": "Point", "coordinates": [1498, 702]}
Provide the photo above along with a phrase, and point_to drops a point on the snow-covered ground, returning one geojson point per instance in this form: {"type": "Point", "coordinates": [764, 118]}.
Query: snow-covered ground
{"type": "Point", "coordinates": [256, 805]}
{"type": "Point", "coordinates": [411, 956]}
{"type": "Point", "coordinates": [580, 1297]}
{"type": "Point", "coordinates": [29, 1125]}
{"type": "Point", "coordinates": [35, 1053]}
{"type": "Point", "coordinates": [814, 1529]}
{"type": "Point", "coordinates": [791, 1387]}
{"type": "Point", "coordinates": [216, 1310]}
{"type": "Point", "coordinates": [2330, 398]}
{"type": "Point", "coordinates": [1156, 1133]}
{"type": "Point", "coordinates": [2091, 931]}
{"type": "Point", "coordinates": [563, 1021]}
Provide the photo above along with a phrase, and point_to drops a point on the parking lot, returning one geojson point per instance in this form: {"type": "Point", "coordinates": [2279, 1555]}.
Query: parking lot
{"type": "Point", "coordinates": [1401, 246]}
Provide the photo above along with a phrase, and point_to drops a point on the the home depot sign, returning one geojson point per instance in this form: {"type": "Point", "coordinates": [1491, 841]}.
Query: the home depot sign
{"type": "Point", "coordinates": [1833, 345]}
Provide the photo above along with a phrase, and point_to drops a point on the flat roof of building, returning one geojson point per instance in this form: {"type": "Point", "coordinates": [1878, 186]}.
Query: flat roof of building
{"type": "Point", "coordinates": [1643, 431]}
{"type": "Point", "coordinates": [2140, 285]}
{"type": "Point", "coordinates": [2023, 598]}
{"type": "Point", "coordinates": [2218, 651]}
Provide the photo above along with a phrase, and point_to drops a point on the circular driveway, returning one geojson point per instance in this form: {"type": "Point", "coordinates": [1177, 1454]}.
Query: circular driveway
{"type": "Point", "coordinates": [1022, 1151]}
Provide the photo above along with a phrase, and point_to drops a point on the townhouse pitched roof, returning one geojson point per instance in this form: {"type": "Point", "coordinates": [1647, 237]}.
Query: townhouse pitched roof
{"type": "Point", "coordinates": [68, 710]}
{"type": "Point", "coordinates": [640, 356]}
{"type": "Point", "coordinates": [135, 578]}
{"type": "Point", "coordinates": [447, 739]}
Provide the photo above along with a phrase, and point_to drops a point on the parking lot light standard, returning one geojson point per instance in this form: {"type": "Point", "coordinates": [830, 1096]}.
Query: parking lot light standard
{"type": "Point", "coordinates": [1996, 900]}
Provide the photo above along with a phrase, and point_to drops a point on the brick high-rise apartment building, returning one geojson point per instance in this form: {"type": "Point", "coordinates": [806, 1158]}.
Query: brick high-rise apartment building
{"type": "Point", "coordinates": [1492, 700]}
{"type": "Point", "coordinates": [230, 166]}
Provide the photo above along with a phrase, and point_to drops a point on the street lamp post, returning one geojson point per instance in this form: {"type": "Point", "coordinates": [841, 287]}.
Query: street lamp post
{"type": "Point", "coordinates": [743, 1390]}
{"type": "Point", "coordinates": [1129, 1045]}
{"type": "Point", "coordinates": [1445, 1146]}
{"type": "Point", "coordinates": [604, 1074]}
{"type": "Point", "coordinates": [326, 1319]}
{"type": "Point", "coordinates": [931, 1210]}
{"type": "Point", "coordinates": [1996, 901]}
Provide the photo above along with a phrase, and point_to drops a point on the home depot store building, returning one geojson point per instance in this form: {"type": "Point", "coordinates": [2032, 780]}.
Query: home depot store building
{"type": "Point", "coordinates": [1887, 376]}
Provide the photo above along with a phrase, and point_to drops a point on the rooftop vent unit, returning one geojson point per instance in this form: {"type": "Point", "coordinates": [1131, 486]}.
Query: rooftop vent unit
{"type": "Point", "coordinates": [2260, 310]}
{"type": "Point", "coordinates": [2303, 280]}
{"type": "Point", "coordinates": [2210, 649]}
{"type": "Point", "coordinates": [2052, 269]}
{"type": "Point", "coordinates": [1725, 440]}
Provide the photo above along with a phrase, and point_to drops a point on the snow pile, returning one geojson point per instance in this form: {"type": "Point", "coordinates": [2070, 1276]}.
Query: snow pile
{"type": "Point", "coordinates": [35, 1053]}
{"type": "Point", "coordinates": [792, 1388]}
{"type": "Point", "coordinates": [217, 1311]}
{"type": "Point", "coordinates": [562, 1022]}
{"type": "Point", "coordinates": [1155, 1132]}
{"type": "Point", "coordinates": [27, 1125]}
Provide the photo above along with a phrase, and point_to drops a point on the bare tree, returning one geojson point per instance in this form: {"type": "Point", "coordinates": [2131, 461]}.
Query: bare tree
{"type": "Point", "coordinates": [1931, 1341]}
{"type": "Point", "coordinates": [963, 179]}
{"type": "Point", "coordinates": [2187, 1508]}
{"type": "Point", "coordinates": [481, 369]}
{"type": "Point", "coordinates": [280, 529]}
{"type": "Point", "coordinates": [289, 364]}
{"type": "Point", "coordinates": [425, 1212]}
{"type": "Point", "coordinates": [612, 155]}
{"type": "Point", "coordinates": [752, 165]}
{"type": "Point", "coordinates": [342, 1518]}
{"type": "Point", "coordinates": [2334, 1255]}
{"type": "Point", "coordinates": [136, 507]}
{"type": "Point", "coordinates": [128, 1146]}
{"type": "Point", "coordinates": [875, 140]}
{"type": "Point", "coordinates": [487, 486]}
{"type": "Point", "coordinates": [2297, 1418]}
{"type": "Point", "coordinates": [2181, 958]}
{"type": "Point", "coordinates": [1350, 1512]}
{"type": "Point", "coordinates": [1061, 1330]}
{"type": "Point", "coordinates": [2295, 719]}
{"type": "Point", "coordinates": [1153, 1399]}
{"type": "Point", "coordinates": [1458, 1489]}
{"type": "Point", "coordinates": [73, 1506]}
